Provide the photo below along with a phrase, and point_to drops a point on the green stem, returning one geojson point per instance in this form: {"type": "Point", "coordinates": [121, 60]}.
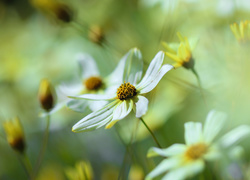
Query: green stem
{"type": "Point", "coordinates": [199, 84]}
{"type": "Point", "coordinates": [158, 144]}
{"type": "Point", "coordinates": [43, 147]}
{"type": "Point", "coordinates": [24, 161]}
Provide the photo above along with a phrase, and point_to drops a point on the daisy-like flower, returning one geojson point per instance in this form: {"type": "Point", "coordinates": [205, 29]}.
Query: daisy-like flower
{"type": "Point", "coordinates": [91, 82]}
{"type": "Point", "coordinates": [186, 160]}
{"type": "Point", "coordinates": [127, 96]}
{"type": "Point", "coordinates": [181, 53]}
{"type": "Point", "coordinates": [241, 31]}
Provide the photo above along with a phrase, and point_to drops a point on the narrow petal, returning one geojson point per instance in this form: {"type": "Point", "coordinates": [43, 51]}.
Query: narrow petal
{"type": "Point", "coordinates": [95, 97]}
{"type": "Point", "coordinates": [141, 106]}
{"type": "Point", "coordinates": [235, 135]}
{"type": "Point", "coordinates": [154, 80]}
{"type": "Point", "coordinates": [213, 125]}
{"type": "Point", "coordinates": [87, 65]}
{"type": "Point", "coordinates": [120, 112]}
{"type": "Point", "coordinates": [96, 105]}
{"type": "Point", "coordinates": [164, 166]}
{"type": "Point", "coordinates": [185, 172]}
{"type": "Point", "coordinates": [77, 105]}
{"type": "Point", "coordinates": [170, 151]}
{"type": "Point", "coordinates": [173, 57]}
{"type": "Point", "coordinates": [153, 68]}
{"type": "Point", "coordinates": [133, 67]}
{"type": "Point", "coordinates": [116, 77]}
{"type": "Point", "coordinates": [193, 132]}
{"type": "Point", "coordinates": [95, 118]}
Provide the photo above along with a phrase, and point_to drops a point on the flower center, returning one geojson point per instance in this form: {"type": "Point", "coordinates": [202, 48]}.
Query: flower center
{"type": "Point", "coordinates": [126, 91]}
{"type": "Point", "coordinates": [196, 151]}
{"type": "Point", "coordinates": [93, 83]}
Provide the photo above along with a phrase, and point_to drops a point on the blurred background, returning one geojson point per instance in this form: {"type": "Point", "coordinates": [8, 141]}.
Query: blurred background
{"type": "Point", "coordinates": [40, 39]}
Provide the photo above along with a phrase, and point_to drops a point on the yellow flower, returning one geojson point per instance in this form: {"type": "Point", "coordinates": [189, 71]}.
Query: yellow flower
{"type": "Point", "coordinates": [82, 171]}
{"type": "Point", "coordinates": [46, 95]}
{"type": "Point", "coordinates": [181, 53]}
{"type": "Point", "coordinates": [15, 135]}
{"type": "Point", "coordinates": [241, 31]}
{"type": "Point", "coordinates": [54, 9]}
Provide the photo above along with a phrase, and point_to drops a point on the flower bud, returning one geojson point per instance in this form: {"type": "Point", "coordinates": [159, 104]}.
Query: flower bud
{"type": "Point", "coordinates": [96, 34]}
{"type": "Point", "coordinates": [46, 95]}
{"type": "Point", "coordinates": [15, 136]}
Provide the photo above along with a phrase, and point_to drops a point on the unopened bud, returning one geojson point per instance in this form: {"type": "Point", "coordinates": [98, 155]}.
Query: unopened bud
{"type": "Point", "coordinates": [96, 34]}
{"type": "Point", "coordinates": [46, 95]}
{"type": "Point", "coordinates": [15, 136]}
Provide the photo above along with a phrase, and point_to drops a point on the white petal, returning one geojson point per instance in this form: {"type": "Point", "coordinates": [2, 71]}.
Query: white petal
{"type": "Point", "coordinates": [152, 81]}
{"type": "Point", "coordinates": [164, 166]}
{"type": "Point", "coordinates": [95, 118]}
{"type": "Point", "coordinates": [87, 65]}
{"type": "Point", "coordinates": [77, 105]}
{"type": "Point", "coordinates": [235, 135]}
{"type": "Point", "coordinates": [133, 67]}
{"type": "Point", "coordinates": [170, 151]}
{"type": "Point", "coordinates": [153, 67]}
{"type": "Point", "coordinates": [141, 106]}
{"type": "Point", "coordinates": [116, 77]}
{"type": "Point", "coordinates": [193, 132]}
{"type": "Point", "coordinates": [65, 90]}
{"type": "Point", "coordinates": [213, 154]}
{"type": "Point", "coordinates": [95, 97]}
{"type": "Point", "coordinates": [184, 172]}
{"type": "Point", "coordinates": [214, 123]}
{"type": "Point", "coordinates": [121, 111]}
{"type": "Point", "coordinates": [96, 105]}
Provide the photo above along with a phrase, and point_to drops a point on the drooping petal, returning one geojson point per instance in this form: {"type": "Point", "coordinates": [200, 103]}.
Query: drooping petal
{"type": "Point", "coordinates": [235, 135]}
{"type": "Point", "coordinates": [184, 172]}
{"type": "Point", "coordinates": [95, 97]}
{"type": "Point", "coordinates": [154, 80]}
{"type": "Point", "coordinates": [141, 106]}
{"type": "Point", "coordinates": [96, 105]}
{"type": "Point", "coordinates": [153, 68]}
{"type": "Point", "coordinates": [95, 118]}
{"type": "Point", "coordinates": [173, 150]}
{"type": "Point", "coordinates": [213, 125]}
{"type": "Point", "coordinates": [193, 132]}
{"type": "Point", "coordinates": [87, 65]}
{"type": "Point", "coordinates": [77, 105]}
{"type": "Point", "coordinates": [121, 111]}
{"type": "Point", "coordinates": [164, 166]}
{"type": "Point", "coordinates": [133, 67]}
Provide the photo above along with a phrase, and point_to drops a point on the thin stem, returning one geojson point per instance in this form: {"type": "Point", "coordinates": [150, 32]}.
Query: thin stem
{"type": "Point", "coordinates": [27, 171]}
{"type": "Point", "coordinates": [158, 144]}
{"type": "Point", "coordinates": [43, 147]}
{"type": "Point", "coordinates": [27, 164]}
{"type": "Point", "coordinates": [199, 84]}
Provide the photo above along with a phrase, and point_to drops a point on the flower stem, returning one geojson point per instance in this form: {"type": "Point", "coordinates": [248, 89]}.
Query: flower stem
{"type": "Point", "coordinates": [158, 144]}
{"type": "Point", "coordinates": [199, 84]}
{"type": "Point", "coordinates": [43, 147]}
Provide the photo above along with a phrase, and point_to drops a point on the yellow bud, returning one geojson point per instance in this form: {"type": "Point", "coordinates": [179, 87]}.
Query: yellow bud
{"type": "Point", "coordinates": [15, 135]}
{"type": "Point", "coordinates": [54, 9]}
{"type": "Point", "coordinates": [96, 34]}
{"type": "Point", "coordinates": [46, 95]}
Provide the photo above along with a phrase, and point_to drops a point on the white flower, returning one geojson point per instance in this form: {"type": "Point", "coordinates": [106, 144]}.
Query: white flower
{"type": "Point", "coordinates": [127, 96]}
{"type": "Point", "coordinates": [90, 82]}
{"type": "Point", "coordinates": [187, 160]}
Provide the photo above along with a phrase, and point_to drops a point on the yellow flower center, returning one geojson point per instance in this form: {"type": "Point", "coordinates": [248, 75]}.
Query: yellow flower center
{"type": "Point", "coordinates": [196, 151]}
{"type": "Point", "coordinates": [93, 83]}
{"type": "Point", "coordinates": [126, 91]}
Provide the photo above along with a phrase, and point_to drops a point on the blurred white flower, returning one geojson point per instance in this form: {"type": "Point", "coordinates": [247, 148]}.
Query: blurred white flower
{"type": "Point", "coordinates": [126, 97]}
{"type": "Point", "coordinates": [90, 82]}
{"type": "Point", "coordinates": [187, 160]}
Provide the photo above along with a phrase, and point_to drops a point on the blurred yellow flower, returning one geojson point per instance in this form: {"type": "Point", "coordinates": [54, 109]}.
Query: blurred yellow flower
{"type": "Point", "coordinates": [181, 53]}
{"type": "Point", "coordinates": [136, 173]}
{"type": "Point", "coordinates": [82, 171]}
{"type": "Point", "coordinates": [241, 31]}
{"type": "Point", "coordinates": [46, 95]}
{"type": "Point", "coordinates": [15, 135]}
